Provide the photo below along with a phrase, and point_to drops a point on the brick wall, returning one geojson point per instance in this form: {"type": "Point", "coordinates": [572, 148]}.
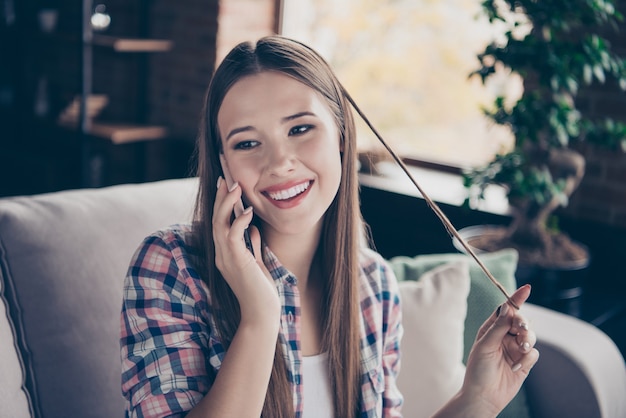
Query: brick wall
{"type": "Point", "coordinates": [601, 197]}
{"type": "Point", "coordinates": [245, 20]}
{"type": "Point", "coordinates": [178, 79]}
{"type": "Point", "coordinates": [203, 32]}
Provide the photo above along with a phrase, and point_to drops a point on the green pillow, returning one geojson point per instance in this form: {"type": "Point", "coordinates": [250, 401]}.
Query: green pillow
{"type": "Point", "coordinates": [482, 300]}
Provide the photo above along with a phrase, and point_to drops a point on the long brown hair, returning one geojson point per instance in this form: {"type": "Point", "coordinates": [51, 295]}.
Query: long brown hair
{"type": "Point", "coordinates": [340, 238]}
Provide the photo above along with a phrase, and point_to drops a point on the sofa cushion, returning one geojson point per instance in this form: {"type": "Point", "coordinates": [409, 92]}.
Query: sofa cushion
{"type": "Point", "coordinates": [483, 296]}
{"type": "Point", "coordinates": [13, 396]}
{"type": "Point", "coordinates": [433, 312]}
{"type": "Point", "coordinates": [65, 256]}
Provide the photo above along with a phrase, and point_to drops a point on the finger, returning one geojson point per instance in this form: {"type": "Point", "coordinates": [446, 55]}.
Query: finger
{"type": "Point", "coordinates": [519, 325]}
{"type": "Point", "coordinates": [221, 214]}
{"type": "Point", "coordinates": [226, 240]}
{"type": "Point", "coordinates": [519, 297]}
{"type": "Point", "coordinates": [238, 227]}
{"type": "Point", "coordinates": [526, 362]}
{"type": "Point", "coordinates": [218, 192]}
{"type": "Point", "coordinates": [525, 338]}
{"type": "Point", "coordinates": [225, 201]}
{"type": "Point", "coordinates": [492, 336]}
{"type": "Point", "coordinates": [517, 347]}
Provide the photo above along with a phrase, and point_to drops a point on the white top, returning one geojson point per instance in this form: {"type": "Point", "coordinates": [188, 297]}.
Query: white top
{"type": "Point", "coordinates": [318, 399]}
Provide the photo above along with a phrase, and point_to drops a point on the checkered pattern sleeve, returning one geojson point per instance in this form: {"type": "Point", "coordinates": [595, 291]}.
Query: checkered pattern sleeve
{"type": "Point", "coordinates": [392, 329]}
{"type": "Point", "coordinates": [164, 332]}
{"type": "Point", "coordinates": [381, 335]}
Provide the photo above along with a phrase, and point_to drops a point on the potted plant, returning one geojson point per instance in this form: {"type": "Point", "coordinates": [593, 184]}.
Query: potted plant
{"type": "Point", "coordinates": [562, 50]}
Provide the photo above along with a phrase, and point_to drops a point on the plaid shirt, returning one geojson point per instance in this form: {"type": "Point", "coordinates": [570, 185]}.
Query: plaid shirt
{"type": "Point", "coordinates": [168, 341]}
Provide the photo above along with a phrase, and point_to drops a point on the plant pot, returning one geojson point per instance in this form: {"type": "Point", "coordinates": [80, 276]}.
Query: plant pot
{"type": "Point", "coordinates": [558, 288]}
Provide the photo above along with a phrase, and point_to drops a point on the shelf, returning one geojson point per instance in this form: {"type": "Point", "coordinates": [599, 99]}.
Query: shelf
{"type": "Point", "coordinates": [133, 44]}
{"type": "Point", "coordinates": [124, 133]}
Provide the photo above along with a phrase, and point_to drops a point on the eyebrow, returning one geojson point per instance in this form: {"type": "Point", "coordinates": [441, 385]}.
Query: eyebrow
{"type": "Point", "coordinates": [238, 130]}
{"type": "Point", "coordinates": [284, 120]}
{"type": "Point", "coordinates": [297, 115]}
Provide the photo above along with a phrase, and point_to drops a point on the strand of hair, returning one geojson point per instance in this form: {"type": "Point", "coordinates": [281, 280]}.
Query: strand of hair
{"type": "Point", "coordinates": [452, 231]}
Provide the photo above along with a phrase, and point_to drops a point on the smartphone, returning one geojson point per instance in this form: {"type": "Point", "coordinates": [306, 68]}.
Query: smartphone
{"type": "Point", "coordinates": [238, 209]}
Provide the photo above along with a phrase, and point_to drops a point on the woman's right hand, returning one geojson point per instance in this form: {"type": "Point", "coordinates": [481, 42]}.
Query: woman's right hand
{"type": "Point", "coordinates": [244, 272]}
{"type": "Point", "coordinates": [247, 365]}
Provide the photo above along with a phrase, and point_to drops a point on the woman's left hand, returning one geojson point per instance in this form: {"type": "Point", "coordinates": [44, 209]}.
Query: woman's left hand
{"type": "Point", "coordinates": [501, 358]}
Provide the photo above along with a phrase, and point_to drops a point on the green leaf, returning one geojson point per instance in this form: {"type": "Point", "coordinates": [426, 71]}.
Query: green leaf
{"type": "Point", "coordinates": [587, 74]}
{"type": "Point", "coordinates": [572, 85]}
{"type": "Point", "coordinates": [599, 73]}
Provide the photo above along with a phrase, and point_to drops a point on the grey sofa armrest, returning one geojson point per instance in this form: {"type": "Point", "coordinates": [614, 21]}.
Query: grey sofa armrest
{"type": "Point", "coordinates": [580, 372]}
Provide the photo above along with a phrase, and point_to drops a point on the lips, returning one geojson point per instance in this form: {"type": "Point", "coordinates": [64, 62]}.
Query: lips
{"type": "Point", "coordinates": [289, 193]}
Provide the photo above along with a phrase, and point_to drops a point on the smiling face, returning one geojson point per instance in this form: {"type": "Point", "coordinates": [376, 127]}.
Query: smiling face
{"type": "Point", "coordinates": [281, 143]}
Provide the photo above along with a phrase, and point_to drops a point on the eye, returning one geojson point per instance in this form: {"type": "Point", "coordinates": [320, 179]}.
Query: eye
{"type": "Point", "coordinates": [244, 145]}
{"type": "Point", "coordinates": [300, 129]}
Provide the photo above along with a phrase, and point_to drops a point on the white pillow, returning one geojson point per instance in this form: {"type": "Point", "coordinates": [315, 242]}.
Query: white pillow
{"type": "Point", "coordinates": [433, 310]}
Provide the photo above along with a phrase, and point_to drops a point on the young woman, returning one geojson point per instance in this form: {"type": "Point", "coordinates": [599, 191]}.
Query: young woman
{"type": "Point", "coordinates": [308, 323]}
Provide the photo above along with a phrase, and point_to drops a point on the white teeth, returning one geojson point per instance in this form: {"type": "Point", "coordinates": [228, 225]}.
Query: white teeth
{"type": "Point", "coordinates": [289, 193]}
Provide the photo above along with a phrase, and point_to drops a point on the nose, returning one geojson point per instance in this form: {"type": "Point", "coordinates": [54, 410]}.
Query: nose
{"type": "Point", "coordinates": [280, 160]}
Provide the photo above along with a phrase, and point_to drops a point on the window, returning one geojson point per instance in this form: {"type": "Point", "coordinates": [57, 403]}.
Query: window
{"type": "Point", "coordinates": [406, 64]}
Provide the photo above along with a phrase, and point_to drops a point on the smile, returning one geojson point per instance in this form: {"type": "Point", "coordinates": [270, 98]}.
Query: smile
{"type": "Point", "coordinates": [290, 192]}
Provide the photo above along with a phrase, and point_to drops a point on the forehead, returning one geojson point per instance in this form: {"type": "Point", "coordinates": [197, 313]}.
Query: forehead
{"type": "Point", "coordinates": [269, 93]}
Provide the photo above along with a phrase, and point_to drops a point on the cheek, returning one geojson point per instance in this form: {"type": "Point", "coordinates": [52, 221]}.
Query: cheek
{"type": "Point", "coordinates": [248, 179]}
{"type": "Point", "coordinates": [242, 172]}
{"type": "Point", "coordinates": [337, 168]}
{"type": "Point", "coordinates": [329, 164]}
{"type": "Point", "coordinates": [328, 144]}
{"type": "Point", "coordinates": [323, 153]}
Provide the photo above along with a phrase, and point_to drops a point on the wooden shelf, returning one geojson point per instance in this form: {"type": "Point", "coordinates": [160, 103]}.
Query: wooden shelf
{"type": "Point", "coordinates": [124, 133]}
{"type": "Point", "coordinates": [132, 44]}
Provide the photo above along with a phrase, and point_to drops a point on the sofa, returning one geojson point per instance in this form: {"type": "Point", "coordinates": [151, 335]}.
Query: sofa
{"type": "Point", "coordinates": [63, 257]}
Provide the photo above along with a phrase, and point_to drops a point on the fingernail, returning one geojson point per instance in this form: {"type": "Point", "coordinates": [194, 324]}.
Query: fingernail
{"type": "Point", "coordinates": [525, 346]}
{"type": "Point", "coordinates": [233, 186]}
{"type": "Point", "coordinates": [219, 182]}
{"type": "Point", "coordinates": [523, 325]}
{"type": "Point", "coordinates": [247, 210]}
{"type": "Point", "coordinates": [516, 367]}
